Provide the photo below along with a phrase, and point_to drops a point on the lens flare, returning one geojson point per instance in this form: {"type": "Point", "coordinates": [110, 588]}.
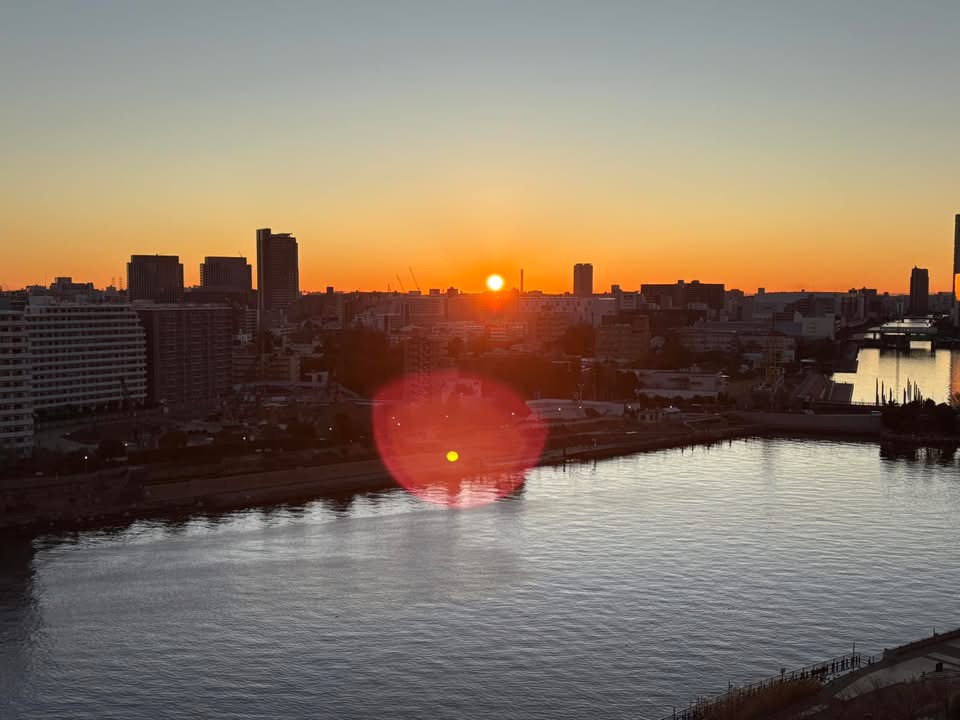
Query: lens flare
{"type": "Point", "coordinates": [495, 282]}
{"type": "Point", "coordinates": [418, 420]}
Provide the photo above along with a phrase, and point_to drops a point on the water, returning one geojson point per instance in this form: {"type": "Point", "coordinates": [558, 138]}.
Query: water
{"type": "Point", "coordinates": [936, 373]}
{"type": "Point", "coordinates": [614, 590]}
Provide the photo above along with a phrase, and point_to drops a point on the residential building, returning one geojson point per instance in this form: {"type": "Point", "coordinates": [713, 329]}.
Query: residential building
{"type": "Point", "coordinates": [16, 412]}
{"type": "Point", "coordinates": [583, 280]}
{"type": "Point", "coordinates": [278, 275]}
{"type": "Point", "coordinates": [693, 295]}
{"type": "Point", "coordinates": [623, 340]}
{"type": "Point", "coordinates": [155, 278]}
{"type": "Point", "coordinates": [189, 352]}
{"type": "Point", "coordinates": [84, 356]}
{"type": "Point", "coordinates": [919, 291]}
{"type": "Point", "coordinates": [227, 274]}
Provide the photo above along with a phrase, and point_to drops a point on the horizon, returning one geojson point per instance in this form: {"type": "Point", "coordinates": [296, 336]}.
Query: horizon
{"type": "Point", "coordinates": [751, 145]}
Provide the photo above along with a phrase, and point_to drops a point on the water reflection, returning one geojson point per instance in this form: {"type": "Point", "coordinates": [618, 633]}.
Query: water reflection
{"type": "Point", "coordinates": [935, 373]}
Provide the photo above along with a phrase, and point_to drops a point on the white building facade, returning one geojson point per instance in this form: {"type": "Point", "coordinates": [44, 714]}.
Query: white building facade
{"type": "Point", "coordinates": [16, 412]}
{"type": "Point", "coordinates": [84, 357]}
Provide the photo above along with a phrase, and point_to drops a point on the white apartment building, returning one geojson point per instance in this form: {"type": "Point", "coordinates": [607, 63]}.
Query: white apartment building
{"type": "Point", "coordinates": [16, 415]}
{"type": "Point", "coordinates": [84, 356]}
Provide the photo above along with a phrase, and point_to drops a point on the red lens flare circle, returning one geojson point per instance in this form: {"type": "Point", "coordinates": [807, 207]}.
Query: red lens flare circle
{"type": "Point", "coordinates": [455, 439]}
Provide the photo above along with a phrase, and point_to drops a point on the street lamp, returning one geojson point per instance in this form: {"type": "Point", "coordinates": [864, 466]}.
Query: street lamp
{"type": "Point", "coordinates": [85, 458]}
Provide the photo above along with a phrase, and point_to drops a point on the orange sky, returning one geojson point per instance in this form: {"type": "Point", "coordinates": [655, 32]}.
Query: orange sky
{"type": "Point", "coordinates": [787, 146]}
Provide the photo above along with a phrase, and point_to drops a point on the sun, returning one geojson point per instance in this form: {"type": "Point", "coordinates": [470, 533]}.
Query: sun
{"type": "Point", "coordinates": [495, 282]}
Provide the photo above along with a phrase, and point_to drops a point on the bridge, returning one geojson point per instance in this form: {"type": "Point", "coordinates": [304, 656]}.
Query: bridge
{"type": "Point", "coordinates": [900, 333]}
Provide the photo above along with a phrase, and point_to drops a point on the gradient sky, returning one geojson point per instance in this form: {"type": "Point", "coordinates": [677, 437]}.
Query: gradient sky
{"type": "Point", "coordinates": [788, 144]}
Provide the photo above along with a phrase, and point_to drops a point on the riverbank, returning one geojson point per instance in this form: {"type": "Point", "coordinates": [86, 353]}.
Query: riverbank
{"type": "Point", "coordinates": [123, 494]}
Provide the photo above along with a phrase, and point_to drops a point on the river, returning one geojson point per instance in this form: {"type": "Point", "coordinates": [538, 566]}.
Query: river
{"type": "Point", "coordinates": [609, 590]}
{"type": "Point", "coordinates": [935, 374]}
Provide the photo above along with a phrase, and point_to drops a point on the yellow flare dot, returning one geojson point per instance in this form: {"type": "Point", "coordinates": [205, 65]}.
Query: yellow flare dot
{"type": "Point", "coordinates": [453, 455]}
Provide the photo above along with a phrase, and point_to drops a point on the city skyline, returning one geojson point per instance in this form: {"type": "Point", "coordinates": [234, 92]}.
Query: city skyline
{"type": "Point", "coordinates": [758, 146]}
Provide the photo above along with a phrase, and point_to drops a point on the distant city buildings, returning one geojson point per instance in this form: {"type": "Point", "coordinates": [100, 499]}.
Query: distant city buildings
{"type": "Point", "coordinates": [684, 295]}
{"type": "Point", "coordinates": [189, 353]}
{"type": "Point", "coordinates": [956, 269]}
{"type": "Point", "coordinates": [919, 291]}
{"type": "Point", "coordinates": [155, 278]}
{"type": "Point", "coordinates": [278, 276]}
{"type": "Point", "coordinates": [583, 280]}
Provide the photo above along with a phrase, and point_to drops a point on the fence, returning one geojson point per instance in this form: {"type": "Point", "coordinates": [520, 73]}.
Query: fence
{"type": "Point", "coordinates": [821, 673]}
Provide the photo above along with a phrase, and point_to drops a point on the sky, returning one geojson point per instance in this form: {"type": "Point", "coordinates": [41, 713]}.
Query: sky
{"type": "Point", "coordinates": [789, 145]}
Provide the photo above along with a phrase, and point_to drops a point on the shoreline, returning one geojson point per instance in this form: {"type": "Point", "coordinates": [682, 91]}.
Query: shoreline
{"type": "Point", "coordinates": [121, 496]}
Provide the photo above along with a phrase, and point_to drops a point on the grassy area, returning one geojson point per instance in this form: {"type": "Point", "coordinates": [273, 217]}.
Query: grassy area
{"type": "Point", "coordinates": [764, 702]}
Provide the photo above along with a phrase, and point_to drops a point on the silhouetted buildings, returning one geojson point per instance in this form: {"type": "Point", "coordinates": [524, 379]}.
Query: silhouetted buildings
{"type": "Point", "coordinates": [156, 278]}
{"type": "Point", "coordinates": [16, 410]}
{"type": "Point", "coordinates": [956, 268]}
{"type": "Point", "coordinates": [278, 276]}
{"type": "Point", "coordinates": [919, 291]}
{"type": "Point", "coordinates": [691, 295]}
{"type": "Point", "coordinates": [228, 274]}
{"type": "Point", "coordinates": [583, 279]}
{"type": "Point", "coordinates": [189, 350]}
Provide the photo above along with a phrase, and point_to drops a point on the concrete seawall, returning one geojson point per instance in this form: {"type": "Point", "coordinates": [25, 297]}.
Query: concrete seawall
{"type": "Point", "coordinates": [841, 424]}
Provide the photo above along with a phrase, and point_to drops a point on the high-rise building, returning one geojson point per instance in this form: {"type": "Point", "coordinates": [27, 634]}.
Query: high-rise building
{"type": "Point", "coordinates": [157, 278]}
{"type": "Point", "coordinates": [84, 356]}
{"type": "Point", "coordinates": [16, 412]}
{"type": "Point", "coordinates": [278, 275]}
{"type": "Point", "coordinates": [188, 352]}
{"type": "Point", "coordinates": [583, 279]}
{"type": "Point", "coordinates": [956, 267]}
{"type": "Point", "coordinates": [919, 291]}
{"type": "Point", "coordinates": [227, 274]}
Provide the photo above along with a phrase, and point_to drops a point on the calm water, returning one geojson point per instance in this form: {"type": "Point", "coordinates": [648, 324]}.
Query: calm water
{"type": "Point", "coordinates": [612, 590]}
{"type": "Point", "coordinates": [936, 374]}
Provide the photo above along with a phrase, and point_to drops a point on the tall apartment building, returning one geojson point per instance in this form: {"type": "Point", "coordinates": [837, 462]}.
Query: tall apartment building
{"type": "Point", "coordinates": [919, 291]}
{"type": "Point", "coordinates": [84, 356]}
{"type": "Point", "coordinates": [16, 413]}
{"type": "Point", "coordinates": [157, 278]}
{"type": "Point", "coordinates": [583, 279]}
{"type": "Point", "coordinates": [278, 275]}
{"type": "Point", "coordinates": [188, 352]}
{"type": "Point", "coordinates": [226, 274]}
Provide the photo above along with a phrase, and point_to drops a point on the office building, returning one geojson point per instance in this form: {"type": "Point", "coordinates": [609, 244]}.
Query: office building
{"type": "Point", "coordinates": [16, 412]}
{"type": "Point", "coordinates": [278, 275]}
{"type": "Point", "coordinates": [189, 351]}
{"type": "Point", "coordinates": [919, 291]}
{"type": "Point", "coordinates": [156, 278]}
{"type": "Point", "coordinates": [583, 279]}
{"type": "Point", "coordinates": [625, 338]}
{"type": "Point", "coordinates": [227, 274]}
{"type": "Point", "coordinates": [84, 357]}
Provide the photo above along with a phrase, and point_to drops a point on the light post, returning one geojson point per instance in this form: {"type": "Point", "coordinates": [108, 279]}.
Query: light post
{"type": "Point", "coordinates": [85, 458]}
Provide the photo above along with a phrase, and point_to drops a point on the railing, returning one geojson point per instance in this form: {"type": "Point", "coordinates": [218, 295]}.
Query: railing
{"type": "Point", "coordinates": [821, 672]}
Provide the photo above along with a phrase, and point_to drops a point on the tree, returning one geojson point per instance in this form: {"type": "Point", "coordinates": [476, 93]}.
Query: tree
{"type": "Point", "coordinates": [173, 439]}
{"type": "Point", "coordinates": [342, 429]}
{"type": "Point", "coordinates": [111, 448]}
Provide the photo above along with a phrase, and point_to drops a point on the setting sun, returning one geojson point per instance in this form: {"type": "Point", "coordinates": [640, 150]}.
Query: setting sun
{"type": "Point", "coordinates": [495, 282]}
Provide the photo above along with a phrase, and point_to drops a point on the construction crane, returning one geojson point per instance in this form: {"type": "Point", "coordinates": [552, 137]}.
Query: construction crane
{"type": "Point", "coordinates": [402, 288]}
{"type": "Point", "coordinates": [415, 283]}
